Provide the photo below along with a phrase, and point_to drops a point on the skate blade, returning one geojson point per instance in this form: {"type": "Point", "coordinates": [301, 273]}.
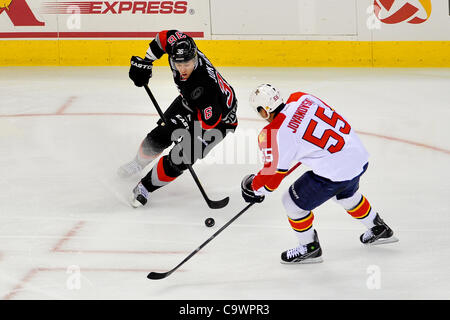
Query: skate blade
{"type": "Point", "coordinates": [383, 241]}
{"type": "Point", "coordinates": [134, 203]}
{"type": "Point", "coordinates": [306, 261]}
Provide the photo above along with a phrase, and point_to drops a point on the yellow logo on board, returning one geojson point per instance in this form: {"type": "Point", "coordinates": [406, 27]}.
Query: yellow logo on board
{"type": "Point", "coordinates": [5, 3]}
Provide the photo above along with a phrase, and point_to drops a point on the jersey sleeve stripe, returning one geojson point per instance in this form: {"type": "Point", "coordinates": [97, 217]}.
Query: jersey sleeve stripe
{"type": "Point", "coordinates": [267, 139]}
{"type": "Point", "coordinates": [162, 39]}
{"type": "Point", "coordinates": [157, 47]}
{"type": "Point", "coordinates": [150, 55]}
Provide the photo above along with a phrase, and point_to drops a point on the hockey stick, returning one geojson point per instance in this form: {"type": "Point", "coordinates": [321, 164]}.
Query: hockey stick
{"type": "Point", "coordinates": [213, 204]}
{"type": "Point", "coordinates": [162, 275]}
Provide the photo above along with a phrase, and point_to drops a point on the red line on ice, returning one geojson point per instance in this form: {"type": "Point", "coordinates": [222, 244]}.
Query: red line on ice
{"type": "Point", "coordinates": [33, 272]}
{"type": "Point", "coordinates": [68, 235]}
{"type": "Point", "coordinates": [66, 105]}
{"type": "Point", "coordinates": [417, 144]}
{"type": "Point", "coordinates": [76, 228]}
{"type": "Point", "coordinates": [21, 284]}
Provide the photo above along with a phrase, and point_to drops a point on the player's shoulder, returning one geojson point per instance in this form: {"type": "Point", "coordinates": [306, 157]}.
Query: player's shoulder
{"type": "Point", "coordinates": [201, 78]}
{"type": "Point", "coordinates": [272, 132]}
{"type": "Point", "coordinates": [173, 34]}
{"type": "Point", "coordinates": [304, 99]}
{"type": "Point", "coordinates": [166, 39]}
{"type": "Point", "coordinates": [297, 96]}
{"type": "Point", "coordinates": [206, 74]}
{"type": "Point", "coordinates": [277, 121]}
{"type": "Point", "coordinates": [206, 64]}
{"type": "Point", "coordinates": [301, 102]}
{"type": "Point", "coordinates": [274, 126]}
{"type": "Point", "coordinates": [199, 86]}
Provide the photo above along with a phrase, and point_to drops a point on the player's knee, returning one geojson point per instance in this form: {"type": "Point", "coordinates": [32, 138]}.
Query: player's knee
{"type": "Point", "coordinates": [158, 139]}
{"type": "Point", "coordinates": [292, 209]}
{"type": "Point", "coordinates": [349, 202]}
{"type": "Point", "coordinates": [185, 153]}
{"type": "Point", "coordinates": [173, 168]}
{"type": "Point", "coordinates": [149, 149]}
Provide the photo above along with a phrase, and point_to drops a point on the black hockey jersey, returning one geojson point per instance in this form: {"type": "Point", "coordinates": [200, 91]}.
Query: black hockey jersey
{"type": "Point", "coordinates": [205, 93]}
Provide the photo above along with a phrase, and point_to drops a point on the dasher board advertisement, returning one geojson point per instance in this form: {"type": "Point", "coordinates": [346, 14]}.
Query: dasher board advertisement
{"type": "Point", "coordinates": [29, 19]}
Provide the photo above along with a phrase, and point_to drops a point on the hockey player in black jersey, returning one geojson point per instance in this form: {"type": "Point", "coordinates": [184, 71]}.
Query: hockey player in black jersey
{"type": "Point", "coordinates": [198, 119]}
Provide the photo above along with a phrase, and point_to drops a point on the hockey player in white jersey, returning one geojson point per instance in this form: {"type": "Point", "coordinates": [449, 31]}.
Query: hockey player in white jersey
{"type": "Point", "coordinates": [305, 129]}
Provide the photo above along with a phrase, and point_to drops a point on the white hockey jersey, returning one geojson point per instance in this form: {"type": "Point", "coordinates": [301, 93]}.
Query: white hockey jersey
{"type": "Point", "coordinates": [309, 131]}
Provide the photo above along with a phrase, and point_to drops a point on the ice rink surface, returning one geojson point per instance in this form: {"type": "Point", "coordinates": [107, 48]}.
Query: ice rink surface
{"type": "Point", "coordinates": [67, 231]}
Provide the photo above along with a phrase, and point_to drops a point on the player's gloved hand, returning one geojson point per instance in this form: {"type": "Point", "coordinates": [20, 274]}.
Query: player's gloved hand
{"type": "Point", "coordinates": [140, 70]}
{"type": "Point", "coordinates": [179, 127]}
{"type": "Point", "coordinates": [179, 122]}
{"type": "Point", "coordinates": [247, 192]}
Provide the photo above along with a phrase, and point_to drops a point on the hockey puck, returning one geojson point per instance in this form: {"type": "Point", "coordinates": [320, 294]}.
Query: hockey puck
{"type": "Point", "coordinates": [209, 222]}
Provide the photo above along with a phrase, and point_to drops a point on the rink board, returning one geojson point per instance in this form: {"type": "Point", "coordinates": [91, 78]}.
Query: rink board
{"type": "Point", "coordinates": [233, 53]}
{"type": "Point", "coordinates": [326, 33]}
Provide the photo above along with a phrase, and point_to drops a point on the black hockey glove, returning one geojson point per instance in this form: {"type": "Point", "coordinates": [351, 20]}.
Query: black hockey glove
{"type": "Point", "coordinates": [179, 121]}
{"type": "Point", "coordinates": [180, 127]}
{"type": "Point", "coordinates": [140, 70]}
{"type": "Point", "coordinates": [247, 193]}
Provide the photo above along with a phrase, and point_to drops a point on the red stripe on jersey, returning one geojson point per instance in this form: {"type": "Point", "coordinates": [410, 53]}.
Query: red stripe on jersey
{"type": "Point", "coordinates": [203, 124]}
{"type": "Point", "coordinates": [162, 176]}
{"type": "Point", "coordinates": [163, 39]}
{"type": "Point", "coordinates": [295, 97]}
{"type": "Point", "coordinates": [268, 145]}
{"type": "Point", "coordinates": [273, 182]}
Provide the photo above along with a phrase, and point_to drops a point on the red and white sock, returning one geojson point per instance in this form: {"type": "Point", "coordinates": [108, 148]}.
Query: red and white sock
{"type": "Point", "coordinates": [359, 208]}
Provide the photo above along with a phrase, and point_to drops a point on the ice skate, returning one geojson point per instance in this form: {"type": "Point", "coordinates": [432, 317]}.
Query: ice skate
{"type": "Point", "coordinates": [310, 253]}
{"type": "Point", "coordinates": [140, 196]}
{"type": "Point", "coordinates": [129, 169]}
{"type": "Point", "coordinates": [379, 234]}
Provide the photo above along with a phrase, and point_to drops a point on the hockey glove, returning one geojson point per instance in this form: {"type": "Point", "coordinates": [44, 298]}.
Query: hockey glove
{"type": "Point", "coordinates": [179, 121]}
{"type": "Point", "coordinates": [179, 126]}
{"type": "Point", "coordinates": [140, 70]}
{"type": "Point", "coordinates": [247, 192]}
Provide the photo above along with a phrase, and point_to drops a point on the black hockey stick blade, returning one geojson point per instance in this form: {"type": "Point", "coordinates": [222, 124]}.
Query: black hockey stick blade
{"type": "Point", "coordinates": [218, 204]}
{"type": "Point", "coordinates": [212, 204]}
{"type": "Point", "coordinates": [157, 275]}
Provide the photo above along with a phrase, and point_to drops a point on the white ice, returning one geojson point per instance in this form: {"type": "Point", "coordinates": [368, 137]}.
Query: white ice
{"type": "Point", "coordinates": [67, 231]}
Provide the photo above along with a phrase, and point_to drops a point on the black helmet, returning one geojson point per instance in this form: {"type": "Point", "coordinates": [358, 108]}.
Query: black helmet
{"type": "Point", "coordinates": [184, 50]}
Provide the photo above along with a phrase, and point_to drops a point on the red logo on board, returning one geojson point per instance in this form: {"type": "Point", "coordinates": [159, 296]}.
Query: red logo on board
{"type": "Point", "coordinates": [20, 13]}
{"type": "Point", "coordinates": [407, 12]}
